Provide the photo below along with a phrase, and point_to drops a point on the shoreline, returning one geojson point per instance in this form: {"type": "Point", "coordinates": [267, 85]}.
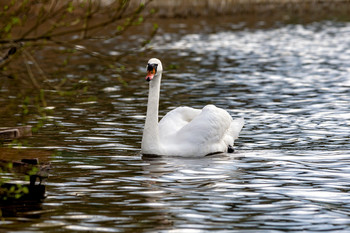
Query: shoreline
{"type": "Point", "coordinates": [199, 8]}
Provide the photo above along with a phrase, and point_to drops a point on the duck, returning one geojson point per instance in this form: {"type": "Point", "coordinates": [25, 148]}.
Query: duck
{"type": "Point", "coordinates": [185, 131]}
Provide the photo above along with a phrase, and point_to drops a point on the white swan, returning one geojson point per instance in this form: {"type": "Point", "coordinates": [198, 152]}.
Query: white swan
{"type": "Point", "coordinates": [185, 131]}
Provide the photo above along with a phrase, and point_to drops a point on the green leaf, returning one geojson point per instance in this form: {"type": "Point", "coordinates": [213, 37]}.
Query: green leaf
{"type": "Point", "coordinates": [25, 190]}
{"type": "Point", "coordinates": [152, 11]}
{"type": "Point", "coordinates": [15, 20]}
{"type": "Point", "coordinates": [10, 166]}
{"type": "Point", "coordinates": [120, 28]}
{"type": "Point", "coordinates": [8, 27]}
{"type": "Point", "coordinates": [155, 26]}
{"type": "Point", "coordinates": [70, 7]}
{"type": "Point", "coordinates": [33, 171]}
{"type": "Point", "coordinates": [26, 100]}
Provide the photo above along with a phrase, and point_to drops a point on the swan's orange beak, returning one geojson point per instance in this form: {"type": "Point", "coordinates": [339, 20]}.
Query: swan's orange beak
{"type": "Point", "coordinates": [151, 71]}
{"type": "Point", "coordinates": [150, 74]}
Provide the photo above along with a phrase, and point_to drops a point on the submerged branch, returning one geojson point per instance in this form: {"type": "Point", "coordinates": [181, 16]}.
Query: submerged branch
{"type": "Point", "coordinates": [30, 73]}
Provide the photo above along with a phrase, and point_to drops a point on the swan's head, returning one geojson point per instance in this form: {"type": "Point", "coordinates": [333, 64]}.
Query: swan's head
{"type": "Point", "coordinates": [154, 68]}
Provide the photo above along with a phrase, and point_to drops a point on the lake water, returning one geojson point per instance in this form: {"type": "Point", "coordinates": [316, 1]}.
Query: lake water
{"type": "Point", "coordinates": [291, 168]}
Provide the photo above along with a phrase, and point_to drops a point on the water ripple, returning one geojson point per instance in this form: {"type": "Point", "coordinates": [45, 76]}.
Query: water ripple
{"type": "Point", "coordinates": [291, 167]}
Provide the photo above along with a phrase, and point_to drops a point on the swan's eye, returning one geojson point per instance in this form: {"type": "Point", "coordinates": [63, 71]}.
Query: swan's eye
{"type": "Point", "coordinates": [152, 68]}
{"type": "Point", "coordinates": [151, 71]}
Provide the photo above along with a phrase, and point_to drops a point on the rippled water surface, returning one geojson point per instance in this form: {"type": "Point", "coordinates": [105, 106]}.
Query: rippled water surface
{"type": "Point", "coordinates": [291, 168]}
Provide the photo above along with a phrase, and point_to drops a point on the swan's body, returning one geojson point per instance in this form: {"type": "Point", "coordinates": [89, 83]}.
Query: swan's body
{"type": "Point", "coordinates": [185, 131]}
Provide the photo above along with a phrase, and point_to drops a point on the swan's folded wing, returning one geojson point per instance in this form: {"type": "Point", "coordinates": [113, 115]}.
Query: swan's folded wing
{"type": "Point", "coordinates": [207, 129]}
{"type": "Point", "coordinates": [175, 120]}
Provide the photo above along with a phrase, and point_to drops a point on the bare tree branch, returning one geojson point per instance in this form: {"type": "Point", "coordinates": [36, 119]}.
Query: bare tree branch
{"type": "Point", "coordinates": [64, 23]}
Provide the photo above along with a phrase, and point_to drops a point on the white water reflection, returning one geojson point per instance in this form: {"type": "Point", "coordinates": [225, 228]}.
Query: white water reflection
{"type": "Point", "coordinates": [285, 190]}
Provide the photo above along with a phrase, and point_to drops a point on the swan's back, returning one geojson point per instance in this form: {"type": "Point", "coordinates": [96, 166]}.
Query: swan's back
{"type": "Point", "coordinates": [207, 128]}
{"type": "Point", "coordinates": [187, 131]}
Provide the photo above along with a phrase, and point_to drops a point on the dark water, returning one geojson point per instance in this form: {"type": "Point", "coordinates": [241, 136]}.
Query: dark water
{"type": "Point", "coordinates": [291, 168]}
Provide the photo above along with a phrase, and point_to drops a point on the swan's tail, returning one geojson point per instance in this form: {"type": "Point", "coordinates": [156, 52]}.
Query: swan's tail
{"type": "Point", "coordinates": [233, 133]}
{"type": "Point", "coordinates": [236, 127]}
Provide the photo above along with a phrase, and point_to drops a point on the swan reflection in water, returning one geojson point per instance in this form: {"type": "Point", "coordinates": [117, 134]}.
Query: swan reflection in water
{"type": "Point", "coordinates": [180, 188]}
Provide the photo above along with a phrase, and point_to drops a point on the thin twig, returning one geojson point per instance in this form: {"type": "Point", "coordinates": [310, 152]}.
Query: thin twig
{"type": "Point", "coordinates": [86, 21]}
{"type": "Point", "coordinates": [47, 36]}
{"type": "Point", "coordinates": [30, 73]}
{"type": "Point", "coordinates": [36, 64]}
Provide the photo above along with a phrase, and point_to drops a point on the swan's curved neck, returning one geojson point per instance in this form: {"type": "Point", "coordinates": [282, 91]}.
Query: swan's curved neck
{"type": "Point", "coordinates": [150, 138]}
